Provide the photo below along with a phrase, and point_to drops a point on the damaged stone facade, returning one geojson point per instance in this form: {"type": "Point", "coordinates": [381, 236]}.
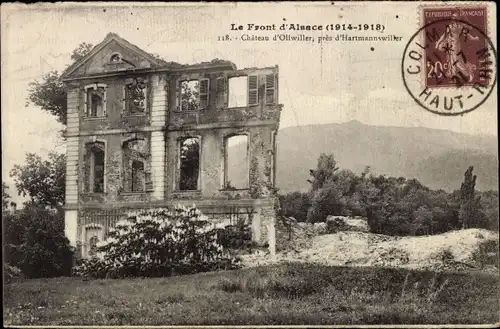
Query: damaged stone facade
{"type": "Point", "coordinates": [145, 133]}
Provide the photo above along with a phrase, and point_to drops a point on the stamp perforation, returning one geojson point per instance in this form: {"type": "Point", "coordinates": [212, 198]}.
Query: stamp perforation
{"type": "Point", "coordinates": [454, 5]}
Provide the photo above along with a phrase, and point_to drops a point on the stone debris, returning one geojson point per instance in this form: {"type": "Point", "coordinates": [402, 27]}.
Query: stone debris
{"type": "Point", "coordinates": [448, 251]}
{"type": "Point", "coordinates": [346, 223]}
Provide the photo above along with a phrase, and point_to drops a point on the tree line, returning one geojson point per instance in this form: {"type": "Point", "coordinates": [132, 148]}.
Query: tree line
{"type": "Point", "coordinates": [391, 205]}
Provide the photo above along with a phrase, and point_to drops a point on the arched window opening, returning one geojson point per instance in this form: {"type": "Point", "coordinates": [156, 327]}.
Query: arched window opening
{"type": "Point", "coordinates": [115, 58]}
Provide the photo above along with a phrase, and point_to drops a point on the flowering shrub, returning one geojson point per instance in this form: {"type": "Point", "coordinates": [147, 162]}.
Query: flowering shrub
{"type": "Point", "coordinates": [158, 242]}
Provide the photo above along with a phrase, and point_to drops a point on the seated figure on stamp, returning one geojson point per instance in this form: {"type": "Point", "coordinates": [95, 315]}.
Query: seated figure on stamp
{"type": "Point", "coordinates": [450, 43]}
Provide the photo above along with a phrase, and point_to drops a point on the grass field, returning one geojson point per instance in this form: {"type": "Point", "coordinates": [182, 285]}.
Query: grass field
{"type": "Point", "coordinates": [284, 294]}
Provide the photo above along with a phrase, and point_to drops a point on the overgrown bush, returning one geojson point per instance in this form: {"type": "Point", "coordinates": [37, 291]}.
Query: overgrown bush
{"type": "Point", "coordinates": [236, 237]}
{"type": "Point", "coordinates": [326, 201]}
{"type": "Point", "coordinates": [296, 205]}
{"type": "Point", "coordinates": [13, 236]}
{"type": "Point", "coordinates": [35, 243]}
{"type": "Point", "coordinates": [159, 242]}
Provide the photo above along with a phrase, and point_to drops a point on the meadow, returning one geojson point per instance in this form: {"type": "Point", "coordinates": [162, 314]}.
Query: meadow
{"type": "Point", "coordinates": [279, 294]}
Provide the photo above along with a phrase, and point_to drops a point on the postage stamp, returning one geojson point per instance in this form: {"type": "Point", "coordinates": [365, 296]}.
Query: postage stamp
{"type": "Point", "coordinates": [456, 69]}
{"type": "Point", "coordinates": [451, 53]}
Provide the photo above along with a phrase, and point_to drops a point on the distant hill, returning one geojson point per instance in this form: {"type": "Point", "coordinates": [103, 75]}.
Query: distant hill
{"type": "Point", "coordinates": [437, 158]}
{"type": "Point", "coordinates": [446, 170]}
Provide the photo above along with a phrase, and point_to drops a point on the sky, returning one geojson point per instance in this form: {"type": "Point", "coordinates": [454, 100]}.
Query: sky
{"type": "Point", "coordinates": [329, 82]}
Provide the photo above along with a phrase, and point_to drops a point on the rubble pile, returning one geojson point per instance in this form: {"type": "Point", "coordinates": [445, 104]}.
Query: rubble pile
{"type": "Point", "coordinates": [455, 250]}
{"type": "Point", "coordinates": [293, 236]}
{"type": "Point", "coordinates": [346, 223]}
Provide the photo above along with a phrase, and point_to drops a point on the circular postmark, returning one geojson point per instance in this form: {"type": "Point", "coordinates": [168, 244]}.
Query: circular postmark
{"type": "Point", "coordinates": [449, 67]}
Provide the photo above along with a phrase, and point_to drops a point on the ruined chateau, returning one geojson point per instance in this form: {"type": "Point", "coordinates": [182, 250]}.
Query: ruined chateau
{"type": "Point", "coordinates": [145, 133]}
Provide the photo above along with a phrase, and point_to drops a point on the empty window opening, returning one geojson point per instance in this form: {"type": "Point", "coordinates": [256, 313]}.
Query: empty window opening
{"type": "Point", "coordinates": [238, 92]}
{"type": "Point", "coordinates": [115, 58]}
{"type": "Point", "coordinates": [95, 102]}
{"type": "Point", "coordinates": [96, 170]}
{"type": "Point", "coordinates": [189, 166]}
{"type": "Point", "coordinates": [221, 93]}
{"type": "Point", "coordinates": [190, 95]}
{"type": "Point", "coordinates": [135, 154]}
{"type": "Point", "coordinates": [193, 95]}
{"type": "Point", "coordinates": [98, 156]}
{"type": "Point", "coordinates": [135, 97]}
{"type": "Point", "coordinates": [236, 162]}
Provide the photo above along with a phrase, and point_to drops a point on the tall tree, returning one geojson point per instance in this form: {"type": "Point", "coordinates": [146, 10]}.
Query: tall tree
{"type": "Point", "coordinates": [296, 205]}
{"type": "Point", "coordinates": [469, 205]}
{"type": "Point", "coordinates": [422, 221]}
{"type": "Point", "coordinates": [82, 50]}
{"type": "Point", "coordinates": [43, 181]}
{"type": "Point", "coordinates": [324, 172]}
{"type": "Point", "coordinates": [327, 189]}
{"type": "Point", "coordinates": [50, 94]}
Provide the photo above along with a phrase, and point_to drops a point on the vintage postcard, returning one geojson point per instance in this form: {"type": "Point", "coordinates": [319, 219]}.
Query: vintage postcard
{"type": "Point", "coordinates": [250, 164]}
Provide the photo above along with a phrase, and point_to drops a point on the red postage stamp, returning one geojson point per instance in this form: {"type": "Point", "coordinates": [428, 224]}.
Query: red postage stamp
{"type": "Point", "coordinates": [451, 45]}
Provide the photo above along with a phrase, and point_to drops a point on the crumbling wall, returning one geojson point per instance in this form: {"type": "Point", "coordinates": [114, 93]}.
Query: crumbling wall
{"type": "Point", "coordinates": [115, 128]}
{"type": "Point", "coordinates": [212, 162]}
{"type": "Point", "coordinates": [217, 111]}
{"type": "Point", "coordinates": [162, 125]}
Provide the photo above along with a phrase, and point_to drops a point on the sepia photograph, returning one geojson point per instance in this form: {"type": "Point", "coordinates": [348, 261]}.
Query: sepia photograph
{"type": "Point", "coordinates": [244, 164]}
